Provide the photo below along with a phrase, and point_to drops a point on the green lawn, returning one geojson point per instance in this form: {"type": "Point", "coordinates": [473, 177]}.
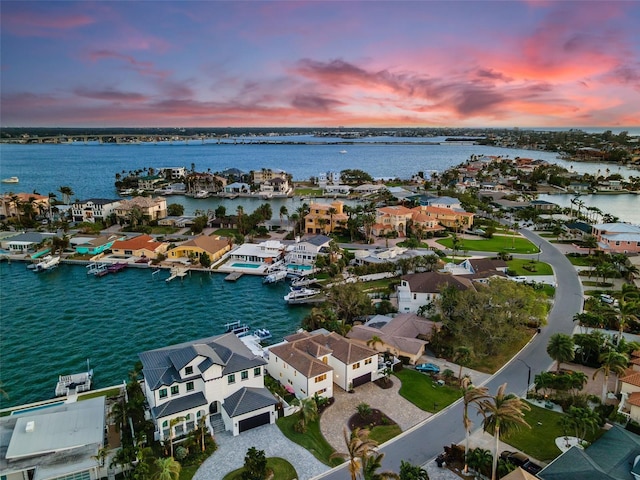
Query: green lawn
{"type": "Point", "coordinates": [282, 470]}
{"type": "Point", "coordinates": [496, 244]}
{"type": "Point", "coordinates": [163, 230]}
{"type": "Point", "coordinates": [187, 473]}
{"type": "Point", "coordinates": [308, 191]}
{"type": "Point", "coordinates": [113, 392]}
{"type": "Point", "coordinates": [580, 261]}
{"type": "Point", "coordinates": [311, 440]}
{"type": "Point", "coordinates": [518, 264]}
{"type": "Point", "coordinates": [383, 433]}
{"type": "Point", "coordinates": [226, 232]}
{"type": "Point", "coordinates": [422, 390]}
{"type": "Point", "coordinates": [539, 440]}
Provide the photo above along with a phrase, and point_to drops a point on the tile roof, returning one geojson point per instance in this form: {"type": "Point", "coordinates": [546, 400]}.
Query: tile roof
{"type": "Point", "coordinates": [180, 404]}
{"type": "Point", "coordinates": [432, 282]}
{"type": "Point", "coordinates": [247, 400]}
{"type": "Point", "coordinates": [395, 210]}
{"type": "Point", "coordinates": [632, 379]}
{"type": "Point", "coordinates": [305, 363]}
{"type": "Point", "coordinates": [136, 243]}
{"type": "Point", "coordinates": [634, 399]}
{"type": "Point", "coordinates": [207, 243]}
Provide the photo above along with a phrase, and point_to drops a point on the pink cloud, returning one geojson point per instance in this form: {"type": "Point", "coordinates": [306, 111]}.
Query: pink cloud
{"type": "Point", "coordinates": [110, 95]}
{"type": "Point", "coordinates": [35, 23]}
{"type": "Point", "coordinates": [143, 68]}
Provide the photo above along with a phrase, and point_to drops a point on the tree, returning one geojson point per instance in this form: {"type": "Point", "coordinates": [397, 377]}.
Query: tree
{"type": "Point", "coordinates": [560, 348]}
{"type": "Point", "coordinates": [358, 445]}
{"type": "Point", "coordinates": [255, 465]}
{"type": "Point", "coordinates": [371, 463]}
{"type": "Point", "coordinates": [308, 412]}
{"type": "Point", "coordinates": [502, 415]}
{"type": "Point", "coordinates": [284, 213]}
{"type": "Point", "coordinates": [172, 423]}
{"type": "Point", "coordinates": [412, 472]}
{"type": "Point", "coordinates": [480, 460]}
{"type": "Point", "coordinates": [582, 420]}
{"type": "Point", "coordinates": [175, 209]}
{"type": "Point", "coordinates": [610, 362]}
{"type": "Point", "coordinates": [462, 356]}
{"type": "Point", "coordinates": [349, 302]}
{"type": "Point", "coordinates": [627, 311]}
{"type": "Point", "coordinates": [166, 469]}
{"type": "Point", "coordinates": [373, 341]}
{"type": "Point", "coordinates": [66, 192]}
{"type": "Point", "coordinates": [205, 260]}
{"type": "Point", "coordinates": [470, 394]}
{"type": "Point", "coordinates": [590, 242]}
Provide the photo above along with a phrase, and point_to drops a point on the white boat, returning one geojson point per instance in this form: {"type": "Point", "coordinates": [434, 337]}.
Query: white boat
{"type": "Point", "coordinates": [126, 191]}
{"type": "Point", "coordinates": [262, 334]}
{"type": "Point", "coordinates": [11, 180]}
{"type": "Point", "coordinates": [300, 295]}
{"type": "Point", "coordinates": [201, 194]}
{"type": "Point", "coordinates": [98, 269]}
{"type": "Point", "coordinates": [74, 383]}
{"type": "Point", "coordinates": [303, 282]}
{"type": "Point", "coordinates": [275, 276]}
{"type": "Point", "coordinates": [47, 263]}
{"type": "Point", "coordinates": [343, 151]}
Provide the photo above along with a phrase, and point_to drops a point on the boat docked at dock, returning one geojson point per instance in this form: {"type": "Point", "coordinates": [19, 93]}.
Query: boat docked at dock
{"type": "Point", "coordinates": [302, 295]}
{"type": "Point", "coordinates": [98, 269]}
{"type": "Point", "coordinates": [303, 281]}
{"type": "Point", "coordinates": [47, 263]}
{"type": "Point", "coordinates": [275, 276]}
{"type": "Point", "coordinates": [262, 334]}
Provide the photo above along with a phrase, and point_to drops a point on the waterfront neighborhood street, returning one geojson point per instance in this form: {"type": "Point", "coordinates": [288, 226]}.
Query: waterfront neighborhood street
{"type": "Point", "coordinates": [426, 440]}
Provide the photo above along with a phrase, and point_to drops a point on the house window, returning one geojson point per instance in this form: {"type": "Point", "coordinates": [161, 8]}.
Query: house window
{"type": "Point", "coordinates": [165, 424]}
{"type": "Point", "coordinates": [368, 361]}
{"type": "Point", "coordinates": [257, 371]}
{"type": "Point", "coordinates": [189, 386]}
{"type": "Point", "coordinates": [321, 378]}
{"type": "Point", "coordinates": [188, 371]}
{"type": "Point", "coordinates": [163, 393]}
{"type": "Point", "coordinates": [244, 375]}
{"type": "Point", "coordinates": [325, 360]}
{"type": "Point", "coordinates": [415, 296]}
{"type": "Point", "coordinates": [231, 379]}
{"type": "Point", "coordinates": [175, 390]}
{"type": "Point", "coordinates": [355, 365]}
{"type": "Point", "coordinates": [320, 392]}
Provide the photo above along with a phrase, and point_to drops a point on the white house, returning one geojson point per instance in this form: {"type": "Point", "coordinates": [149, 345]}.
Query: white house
{"type": "Point", "coordinates": [311, 363]}
{"type": "Point", "coordinates": [216, 376]}
{"type": "Point", "coordinates": [305, 252]}
{"type": "Point", "coordinates": [418, 289]}
{"type": "Point", "coordinates": [93, 209]}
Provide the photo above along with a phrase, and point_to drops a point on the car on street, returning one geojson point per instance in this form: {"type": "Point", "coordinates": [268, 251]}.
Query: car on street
{"type": "Point", "coordinates": [428, 368]}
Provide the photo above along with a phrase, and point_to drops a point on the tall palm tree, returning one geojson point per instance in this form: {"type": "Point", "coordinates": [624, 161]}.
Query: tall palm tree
{"type": "Point", "coordinates": [371, 463]}
{"type": "Point", "coordinates": [462, 356]}
{"type": "Point", "coordinates": [332, 211]}
{"type": "Point", "coordinates": [172, 423]}
{"type": "Point", "coordinates": [358, 446]}
{"type": "Point", "coordinates": [166, 469]}
{"type": "Point", "coordinates": [308, 411]}
{"type": "Point", "coordinates": [470, 394]}
{"type": "Point", "coordinates": [610, 362]}
{"type": "Point", "coordinates": [627, 311]}
{"type": "Point", "coordinates": [284, 212]}
{"type": "Point", "coordinates": [502, 415]}
{"type": "Point", "coordinates": [66, 192]}
{"type": "Point", "coordinates": [560, 348]}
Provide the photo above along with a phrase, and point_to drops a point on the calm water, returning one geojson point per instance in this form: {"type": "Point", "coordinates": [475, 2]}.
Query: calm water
{"type": "Point", "coordinates": [53, 322]}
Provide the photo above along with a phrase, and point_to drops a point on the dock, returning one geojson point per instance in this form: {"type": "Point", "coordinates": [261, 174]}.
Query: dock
{"type": "Point", "coordinates": [177, 272]}
{"type": "Point", "coordinates": [233, 276]}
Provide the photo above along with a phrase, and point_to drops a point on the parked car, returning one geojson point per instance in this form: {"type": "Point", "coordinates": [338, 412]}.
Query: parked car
{"type": "Point", "coordinates": [520, 460]}
{"type": "Point", "coordinates": [428, 368]}
{"type": "Point", "coordinates": [607, 298]}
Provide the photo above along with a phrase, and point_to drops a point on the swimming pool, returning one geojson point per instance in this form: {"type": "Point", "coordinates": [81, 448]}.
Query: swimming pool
{"type": "Point", "coordinates": [39, 407]}
{"type": "Point", "coordinates": [291, 266]}
{"type": "Point", "coordinates": [246, 265]}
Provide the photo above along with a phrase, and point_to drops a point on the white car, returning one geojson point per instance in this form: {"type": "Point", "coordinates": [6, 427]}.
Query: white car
{"type": "Point", "coordinates": [519, 278]}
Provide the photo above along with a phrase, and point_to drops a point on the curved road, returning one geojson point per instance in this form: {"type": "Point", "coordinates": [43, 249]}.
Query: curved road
{"type": "Point", "coordinates": [426, 440]}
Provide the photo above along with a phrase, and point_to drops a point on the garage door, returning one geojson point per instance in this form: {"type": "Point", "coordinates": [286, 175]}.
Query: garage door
{"type": "Point", "coordinates": [362, 380]}
{"type": "Point", "coordinates": [253, 422]}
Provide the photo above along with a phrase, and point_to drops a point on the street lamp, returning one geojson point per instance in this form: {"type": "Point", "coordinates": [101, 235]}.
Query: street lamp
{"type": "Point", "coordinates": [528, 372]}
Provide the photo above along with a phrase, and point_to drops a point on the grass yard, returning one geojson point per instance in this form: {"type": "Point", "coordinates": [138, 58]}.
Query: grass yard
{"type": "Point", "coordinates": [163, 230]}
{"type": "Point", "coordinates": [580, 261]}
{"type": "Point", "coordinates": [187, 473]}
{"type": "Point", "coordinates": [282, 470]}
{"type": "Point", "coordinates": [302, 191]}
{"type": "Point", "coordinates": [112, 392]}
{"type": "Point", "coordinates": [422, 390]}
{"type": "Point", "coordinates": [539, 440]}
{"type": "Point", "coordinates": [311, 440]}
{"type": "Point", "coordinates": [518, 266]}
{"type": "Point", "coordinates": [383, 433]}
{"type": "Point", "coordinates": [226, 232]}
{"type": "Point", "coordinates": [496, 244]}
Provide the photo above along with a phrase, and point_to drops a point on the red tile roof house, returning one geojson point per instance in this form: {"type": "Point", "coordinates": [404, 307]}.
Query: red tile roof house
{"type": "Point", "coordinates": [140, 246]}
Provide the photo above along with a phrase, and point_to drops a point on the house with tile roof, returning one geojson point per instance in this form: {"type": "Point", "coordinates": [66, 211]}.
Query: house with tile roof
{"type": "Point", "coordinates": [478, 269]}
{"type": "Point", "coordinates": [617, 237]}
{"type": "Point", "coordinates": [12, 205]}
{"type": "Point", "coordinates": [216, 377]}
{"type": "Point", "coordinates": [214, 246]}
{"type": "Point", "coordinates": [405, 335]}
{"type": "Point", "coordinates": [311, 363]}
{"type": "Point", "coordinates": [447, 217]}
{"type": "Point", "coordinates": [614, 456]}
{"type": "Point", "coordinates": [139, 246]}
{"type": "Point", "coordinates": [151, 208]}
{"type": "Point", "coordinates": [323, 218]}
{"type": "Point", "coordinates": [306, 250]}
{"type": "Point", "coordinates": [392, 219]}
{"type": "Point", "coordinates": [93, 210]}
{"type": "Point", "coordinates": [418, 289]}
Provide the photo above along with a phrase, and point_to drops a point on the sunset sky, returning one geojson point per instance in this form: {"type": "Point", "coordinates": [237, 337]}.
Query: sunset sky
{"type": "Point", "coordinates": [321, 63]}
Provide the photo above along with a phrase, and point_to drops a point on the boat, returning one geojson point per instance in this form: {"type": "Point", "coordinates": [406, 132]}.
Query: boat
{"type": "Point", "coordinates": [74, 383]}
{"type": "Point", "coordinates": [98, 269]}
{"type": "Point", "coordinates": [201, 194]}
{"type": "Point", "coordinates": [303, 281]}
{"type": "Point", "coordinates": [47, 263]}
{"type": "Point", "coordinates": [262, 334]}
{"type": "Point", "coordinates": [275, 276]}
{"type": "Point", "coordinates": [237, 328]}
{"type": "Point", "coordinates": [343, 151]}
{"type": "Point", "coordinates": [117, 267]}
{"type": "Point", "coordinates": [11, 180]}
{"type": "Point", "coordinates": [126, 191]}
{"type": "Point", "coordinates": [300, 295]}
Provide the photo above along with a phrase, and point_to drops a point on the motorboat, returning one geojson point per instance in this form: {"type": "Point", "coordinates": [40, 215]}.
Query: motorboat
{"type": "Point", "coordinates": [303, 281]}
{"type": "Point", "coordinates": [47, 263]}
{"type": "Point", "coordinates": [300, 295]}
{"type": "Point", "coordinates": [201, 194]}
{"type": "Point", "coordinates": [98, 269]}
{"type": "Point", "coordinates": [11, 180]}
{"type": "Point", "coordinates": [275, 276]}
{"type": "Point", "coordinates": [343, 151]}
{"type": "Point", "coordinates": [262, 334]}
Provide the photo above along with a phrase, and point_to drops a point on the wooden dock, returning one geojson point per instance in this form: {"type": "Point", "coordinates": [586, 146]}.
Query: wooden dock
{"type": "Point", "coordinates": [233, 276]}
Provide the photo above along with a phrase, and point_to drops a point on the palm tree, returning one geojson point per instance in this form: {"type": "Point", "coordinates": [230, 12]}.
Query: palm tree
{"type": "Point", "coordinates": [462, 356]}
{"type": "Point", "coordinates": [470, 394]}
{"type": "Point", "coordinates": [560, 348]}
{"type": "Point", "coordinates": [308, 411]}
{"type": "Point", "coordinates": [66, 192]}
{"type": "Point", "coordinates": [202, 426]}
{"type": "Point", "coordinates": [373, 341]}
{"type": "Point", "coordinates": [284, 213]}
{"type": "Point", "coordinates": [172, 423]}
{"type": "Point", "coordinates": [167, 469]}
{"type": "Point", "coordinates": [371, 463]}
{"type": "Point", "coordinates": [627, 311]}
{"type": "Point", "coordinates": [358, 445]}
{"type": "Point", "coordinates": [502, 415]}
{"type": "Point", "coordinates": [332, 211]}
{"type": "Point", "coordinates": [610, 362]}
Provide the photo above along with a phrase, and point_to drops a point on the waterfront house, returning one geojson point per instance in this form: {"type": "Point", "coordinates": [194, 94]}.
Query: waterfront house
{"type": "Point", "coordinates": [267, 174]}
{"type": "Point", "coordinates": [312, 362]}
{"type": "Point", "coordinates": [139, 246]}
{"type": "Point", "coordinates": [617, 237]}
{"type": "Point", "coordinates": [23, 242]}
{"type": "Point", "coordinates": [305, 252]}
{"type": "Point", "coordinates": [150, 182]}
{"type": "Point", "coordinates": [406, 335]}
{"type": "Point", "coordinates": [323, 218]}
{"type": "Point", "coordinates": [337, 189]}
{"type": "Point", "coordinates": [173, 173]}
{"type": "Point", "coordinates": [368, 188]}
{"type": "Point", "coordinates": [93, 210]}
{"type": "Point", "coordinates": [236, 188]}
{"type": "Point", "coordinates": [60, 441]}
{"type": "Point", "coordinates": [217, 376]}
{"type": "Point", "coordinates": [276, 186]}
{"type": "Point", "coordinates": [392, 219]}
{"type": "Point", "coordinates": [447, 217]}
{"type": "Point", "coordinates": [418, 289]}
{"type": "Point", "coordinates": [19, 204]}
{"type": "Point", "coordinates": [214, 246]}
{"type": "Point", "coordinates": [150, 208]}
{"type": "Point", "coordinates": [92, 245]}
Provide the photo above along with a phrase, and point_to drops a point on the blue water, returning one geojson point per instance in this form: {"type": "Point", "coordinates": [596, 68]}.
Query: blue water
{"type": "Point", "coordinates": [53, 323]}
{"type": "Point", "coordinates": [298, 267]}
{"type": "Point", "coordinates": [34, 409]}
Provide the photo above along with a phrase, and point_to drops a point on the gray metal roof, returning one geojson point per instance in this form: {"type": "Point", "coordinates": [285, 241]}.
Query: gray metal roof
{"type": "Point", "coordinates": [248, 400]}
{"type": "Point", "coordinates": [180, 404]}
{"type": "Point", "coordinates": [318, 240]}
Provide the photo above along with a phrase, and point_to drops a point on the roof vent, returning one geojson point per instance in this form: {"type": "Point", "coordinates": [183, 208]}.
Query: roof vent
{"type": "Point", "coordinates": [31, 426]}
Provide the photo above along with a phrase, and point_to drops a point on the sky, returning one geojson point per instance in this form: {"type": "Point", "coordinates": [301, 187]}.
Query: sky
{"type": "Point", "coordinates": [536, 63]}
